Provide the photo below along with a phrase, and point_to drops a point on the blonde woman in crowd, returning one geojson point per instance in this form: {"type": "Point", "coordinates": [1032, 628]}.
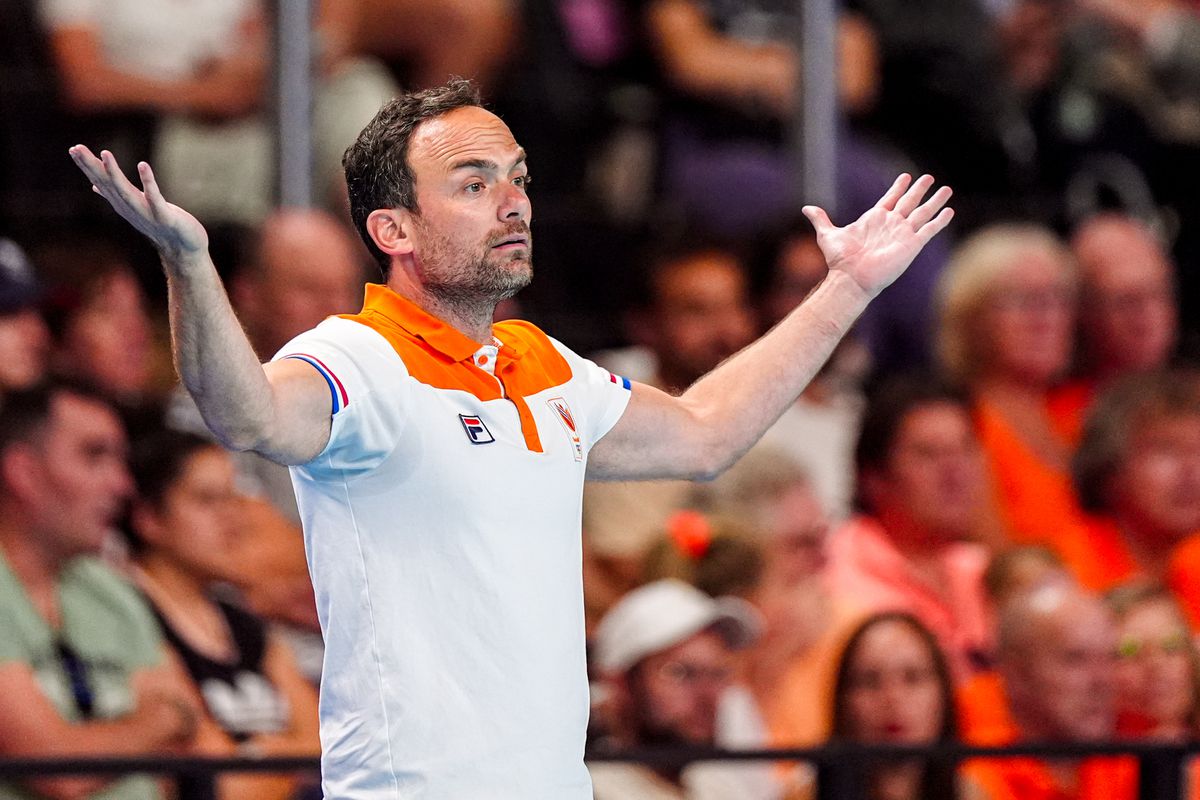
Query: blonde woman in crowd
{"type": "Point", "coordinates": [1007, 305]}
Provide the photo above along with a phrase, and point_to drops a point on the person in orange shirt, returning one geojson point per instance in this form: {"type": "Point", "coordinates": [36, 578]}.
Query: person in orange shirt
{"type": "Point", "coordinates": [1056, 665]}
{"type": "Point", "coordinates": [1007, 313]}
{"type": "Point", "coordinates": [1138, 473]}
{"type": "Point", "coordinates": [923, 489]}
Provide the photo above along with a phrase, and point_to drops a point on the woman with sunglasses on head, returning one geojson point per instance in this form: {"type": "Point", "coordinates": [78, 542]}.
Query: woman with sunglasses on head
{"type": "Point", "coordinates": [184, 532]}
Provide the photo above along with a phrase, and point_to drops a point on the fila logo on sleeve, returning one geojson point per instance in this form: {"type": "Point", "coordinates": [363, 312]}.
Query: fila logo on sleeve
{"type": "Point", "coordinates": [477, 432]}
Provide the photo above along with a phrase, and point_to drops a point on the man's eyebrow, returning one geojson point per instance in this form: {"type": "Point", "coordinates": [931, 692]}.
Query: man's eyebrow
{"type": "Point", "coordinates": [485, 163]}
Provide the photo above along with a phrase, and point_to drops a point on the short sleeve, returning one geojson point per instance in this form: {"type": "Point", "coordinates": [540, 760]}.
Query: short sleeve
{"type": "Point", "coordinates": [368, 393]}
{"type": "Point", "coordinates": [605, 394]}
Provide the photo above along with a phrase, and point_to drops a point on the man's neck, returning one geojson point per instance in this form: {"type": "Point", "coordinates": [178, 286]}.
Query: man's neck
{"type": "Point", "coordinates": [470, 317]}
{"type": "Point", "coordinates": [35, 567]}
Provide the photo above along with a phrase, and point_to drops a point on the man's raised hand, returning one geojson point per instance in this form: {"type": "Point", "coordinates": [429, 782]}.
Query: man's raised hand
{"type": "Point", "coordinates": [876, 248]}
{"type": "Point", "coordinates": [177, 234]}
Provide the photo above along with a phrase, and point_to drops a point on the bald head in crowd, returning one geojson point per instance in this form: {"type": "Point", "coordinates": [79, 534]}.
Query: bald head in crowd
{"type": "Point", "coordinates": [1128, 316]}
{"type": "Point", "coordinates": [304, 266]}
{"type": "Point", "coordinates": [1057, 651]}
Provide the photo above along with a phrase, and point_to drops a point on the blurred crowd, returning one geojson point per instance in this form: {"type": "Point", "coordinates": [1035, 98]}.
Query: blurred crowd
{"type": "Point", "coordinates": [979, 523]}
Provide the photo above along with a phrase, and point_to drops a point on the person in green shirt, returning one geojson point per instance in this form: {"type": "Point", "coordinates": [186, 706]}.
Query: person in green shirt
{"type": "Point", "coordinates": [83, 669]}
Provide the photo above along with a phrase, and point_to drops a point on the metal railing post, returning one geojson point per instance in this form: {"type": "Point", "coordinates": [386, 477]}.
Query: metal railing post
{"type": "Point", "coordinates": [1160, 775]}
{"type": "Point", "coordinates": [815, 130]}
{"type": "Point", "coordinates": [294, 101]}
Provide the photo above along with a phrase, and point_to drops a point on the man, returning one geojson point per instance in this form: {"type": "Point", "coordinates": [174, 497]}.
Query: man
{"type": "Point", "coordinates": [24, 339]}
{"type": "Point", "coordinates": [666, 653]}
{"type": "Point", "coordinates": [297, 268]}
{"type": "Point", "coordinates": [83, 669]}
{"type": "Point", "coordinates": [439, 459]}
{"type": "Point", "coordinates": [922, 488]}
{"type": "Point", "coordinates": [1128, 315]}
{"type": "Point", "coordinates": [1056, 661]}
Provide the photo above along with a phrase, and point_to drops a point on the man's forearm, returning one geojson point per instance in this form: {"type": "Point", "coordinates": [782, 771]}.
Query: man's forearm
{"type": "Point", "coordinates": [214, 358]}
{"type": "Point", "coordinates": [739, 400]}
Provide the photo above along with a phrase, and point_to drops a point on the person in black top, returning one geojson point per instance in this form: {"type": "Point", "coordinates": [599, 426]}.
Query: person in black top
{"type": "Point", "coordinates": [185, 539]}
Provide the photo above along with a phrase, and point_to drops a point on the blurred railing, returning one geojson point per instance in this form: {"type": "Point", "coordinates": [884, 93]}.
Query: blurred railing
{"type": "Point", "coordinates": [840, 767]}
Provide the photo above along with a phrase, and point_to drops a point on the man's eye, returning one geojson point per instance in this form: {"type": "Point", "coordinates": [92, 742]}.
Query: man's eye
{"type": "Point", "coordinates": [523, 181]}
{"type": "Point", "coordinates": [475, 187]}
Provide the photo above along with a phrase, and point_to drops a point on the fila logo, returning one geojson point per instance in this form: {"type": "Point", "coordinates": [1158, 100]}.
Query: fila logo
{"type": "Point", "coordinates": [477, 432]}
{"type": "Point", "coordinates": [567, 420]}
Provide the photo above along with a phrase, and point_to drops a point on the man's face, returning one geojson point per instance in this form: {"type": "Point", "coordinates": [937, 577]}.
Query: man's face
{"type": "Point", "coordinates": [935, 474]}
{"type": "Point", "coordinates": [675, 693]}
{"type": "Point", "coordinates": [470, 235]}
{"type": "Point", "coordinates": [1128, 315]}
{"type": "Point", "coordinates": [24, 346]}
{"type": "Point", "coordinates": [1064, 677]}
{"type": "Point", "coordinates": [1157, 487]}
{"type": "Point", "coordinates": [701, 316]}
{"type": "Point", "coordinates": [78, 476]}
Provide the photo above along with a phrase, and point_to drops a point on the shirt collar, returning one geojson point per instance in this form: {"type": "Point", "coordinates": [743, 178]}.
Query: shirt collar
{"type": "Point", "coordinates": [438, 334]}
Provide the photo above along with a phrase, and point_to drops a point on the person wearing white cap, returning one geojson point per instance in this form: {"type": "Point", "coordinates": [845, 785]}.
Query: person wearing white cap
{"type": "Point", "coordinates": [666, 654]}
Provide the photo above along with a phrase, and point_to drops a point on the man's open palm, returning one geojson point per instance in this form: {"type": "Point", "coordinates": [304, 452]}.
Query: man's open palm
{"type": "Point", "coordinates": [876, 248]}
{"type": "Point", "coordinates": [175, 232]}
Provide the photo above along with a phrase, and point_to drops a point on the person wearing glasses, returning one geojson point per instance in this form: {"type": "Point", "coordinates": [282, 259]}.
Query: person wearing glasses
{"type": "Point", "coordinates": [83, 667]}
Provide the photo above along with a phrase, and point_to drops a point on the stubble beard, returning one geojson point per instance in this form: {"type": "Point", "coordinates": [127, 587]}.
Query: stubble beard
{"type": "Point", "coordinates": [479, 281]}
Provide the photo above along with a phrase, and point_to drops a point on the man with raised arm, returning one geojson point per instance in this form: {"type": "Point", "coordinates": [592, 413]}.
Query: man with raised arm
{"type": "Point", "coordinates": [439, 459]}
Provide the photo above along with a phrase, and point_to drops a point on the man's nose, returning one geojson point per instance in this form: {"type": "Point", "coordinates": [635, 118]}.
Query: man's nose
{"type": "Point", "coordinates": [514, 205]}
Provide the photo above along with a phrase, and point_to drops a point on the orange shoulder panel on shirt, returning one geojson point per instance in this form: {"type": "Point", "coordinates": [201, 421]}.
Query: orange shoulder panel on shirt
{"type": "Point", "coordinates": [541, 366]}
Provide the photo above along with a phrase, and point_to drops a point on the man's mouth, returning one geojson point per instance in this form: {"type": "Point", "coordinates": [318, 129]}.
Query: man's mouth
{"type": "Point", "coordinates": [512, 242]}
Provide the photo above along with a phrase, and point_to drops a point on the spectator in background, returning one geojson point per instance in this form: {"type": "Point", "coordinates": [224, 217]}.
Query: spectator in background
{"type": "Point", "coordinates": [204, 68]}
{"type": "Point", "coordinates": [696, 314]}
{"type": "Point", "coordinates": [96, 311]}
{"type": "Point", "coordinates": [1057, 645]}
{"type": "Point", "coordinates": [804, 621]}
{"type": "Point", "coordinates": [732, 75]}
{"type": "Point", "coordinates": [666, 652]}
{"type": "Point", "coordinates": [186, 536]}
{"type": "Point", "coordinates": [1138, 473]}
{"type": "Point", "coordinates": [24, 338]}
{"type": "Point", "coordinates": [1128, 321]}
{"type": "Point", "coordinates": [893, 686]}
{"type": "Point", "coordinates": [819, 429]}
{"type": "Point", "coordinates": [83, 669]}
{"type": "Point", "coordinates": [1007, 311]}
{"type": "Point", "coordinates": [1158, 669]}
{"type": "Point", "coordinates": [916, 547]}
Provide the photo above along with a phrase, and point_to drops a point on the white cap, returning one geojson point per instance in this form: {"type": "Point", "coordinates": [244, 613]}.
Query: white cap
{"type": "Point", "coordinates": [660, 615]}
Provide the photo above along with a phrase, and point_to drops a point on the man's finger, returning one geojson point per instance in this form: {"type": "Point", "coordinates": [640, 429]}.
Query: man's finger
{"type": "Point", "coordinates": [87, 163]}
{"type": "Point", "coordinates": [912, 197]}
{"type": "Point", "coordinates": [935, 226]}
{"type": "Point", "coordinates": [888, 201]}
{"type": "Point", "coordinates": [120, 185]}
{"type": "Point", "coordinates": [818, 218]}
{"type": "Point", "coordinates": [929, 209]}
{"type": "Point", "coordinates": [158, 205]}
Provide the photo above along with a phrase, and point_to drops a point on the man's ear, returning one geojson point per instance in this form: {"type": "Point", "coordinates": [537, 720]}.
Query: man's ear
{"type": "Point", "coordinates": [389, 229]}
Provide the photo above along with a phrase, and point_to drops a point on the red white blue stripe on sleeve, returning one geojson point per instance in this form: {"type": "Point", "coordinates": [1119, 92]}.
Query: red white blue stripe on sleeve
{"type": "Point", "coordinates": [617, 379]}
{"type": "Point", "coordinates": [340, 399]}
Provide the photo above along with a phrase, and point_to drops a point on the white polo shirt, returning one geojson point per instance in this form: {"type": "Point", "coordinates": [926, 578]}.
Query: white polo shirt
{"type": "Point", "coordinates": [442, 528]}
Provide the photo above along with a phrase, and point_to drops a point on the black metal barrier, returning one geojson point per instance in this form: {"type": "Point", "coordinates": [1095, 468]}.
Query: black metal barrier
{"type": "Point", "coordinates": [838, 766]}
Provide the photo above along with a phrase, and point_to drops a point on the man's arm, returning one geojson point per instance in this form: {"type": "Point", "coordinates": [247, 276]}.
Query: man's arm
{"type": "Point", "coordinates": [701, 433]}
{"type": "Point", "coordinates": [31, 726]}
{"type": "Point", "coordinates": [281, 410]}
